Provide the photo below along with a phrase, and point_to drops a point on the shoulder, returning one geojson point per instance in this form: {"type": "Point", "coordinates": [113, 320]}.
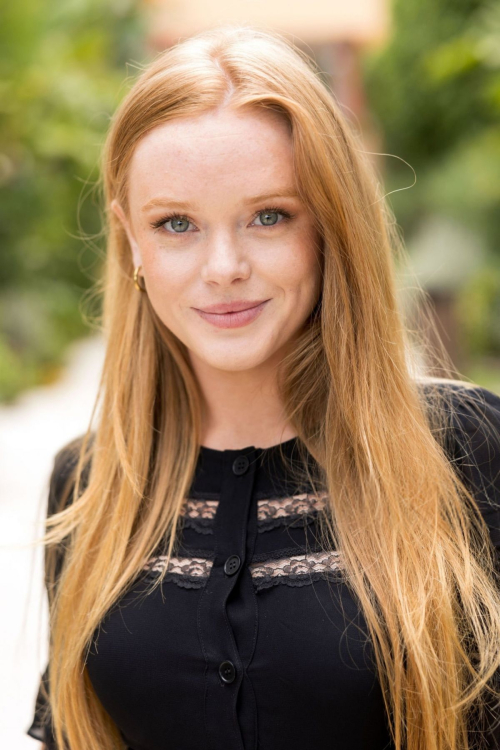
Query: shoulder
{"type": "Point", "coordinates": [63, 474]}
{"type": "Point", "coordinates": [472, 441]}
{"type": "Point", "coordinates": [473, 415]}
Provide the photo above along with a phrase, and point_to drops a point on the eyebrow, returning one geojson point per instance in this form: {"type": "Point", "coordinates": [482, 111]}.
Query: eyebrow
{"type": "Point", "coordinates": [180, 206]}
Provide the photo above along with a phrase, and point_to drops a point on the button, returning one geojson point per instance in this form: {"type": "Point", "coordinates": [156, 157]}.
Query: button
{"type": "Point", "coordinates": [227, 671]}
{"type": "Point", "coordinates": [240, 465]}
{"type": "Point", "coordinates": [232, 565]}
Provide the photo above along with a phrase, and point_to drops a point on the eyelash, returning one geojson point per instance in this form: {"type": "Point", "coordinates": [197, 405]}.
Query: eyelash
{"type": "Point", "coordinates": [159, 222]}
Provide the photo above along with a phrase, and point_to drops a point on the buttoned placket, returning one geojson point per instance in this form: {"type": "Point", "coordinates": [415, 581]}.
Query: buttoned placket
{"type": "Point", "coordinates": [227, 611]}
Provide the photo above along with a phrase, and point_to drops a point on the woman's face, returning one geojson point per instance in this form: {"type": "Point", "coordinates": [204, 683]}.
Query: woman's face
{"type": "Point", "coordinates": [214, 219]}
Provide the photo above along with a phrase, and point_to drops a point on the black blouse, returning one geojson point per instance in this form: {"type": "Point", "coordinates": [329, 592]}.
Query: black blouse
{"type": "Point", "coordinates": [254, 640]}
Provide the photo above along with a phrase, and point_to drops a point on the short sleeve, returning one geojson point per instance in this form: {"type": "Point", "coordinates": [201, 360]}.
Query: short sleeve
{"type": "Point", "coordinates": [64, 465]}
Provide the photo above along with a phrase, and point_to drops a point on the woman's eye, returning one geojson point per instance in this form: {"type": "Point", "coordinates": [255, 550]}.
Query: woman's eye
{"type": "Point", "coordinates": [178, 223]}
{"type": "Point", "coordinates": [269, 217]}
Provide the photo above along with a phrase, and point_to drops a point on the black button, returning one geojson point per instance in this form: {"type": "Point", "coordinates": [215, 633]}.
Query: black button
{"type": "Point", "coordinates": [232, 565]}
{"type": "Point", "coordinates": [227, 671]}
{"type": "Point", "coordinates": [240, 465]}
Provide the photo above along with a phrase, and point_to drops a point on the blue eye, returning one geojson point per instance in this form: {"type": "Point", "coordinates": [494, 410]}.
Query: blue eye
{"type": "Point", "coordinates": [269, 216]}
{"type": "Point", "coordinates": [179, 223]}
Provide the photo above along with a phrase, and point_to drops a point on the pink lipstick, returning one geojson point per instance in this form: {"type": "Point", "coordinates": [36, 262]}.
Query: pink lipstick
{"type": "Point", "coordinates": [232, 315]}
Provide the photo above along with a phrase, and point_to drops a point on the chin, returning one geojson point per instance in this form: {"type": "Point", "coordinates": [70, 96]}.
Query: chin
{"type": "Point", "coordinates": [233, 361]}
{"type": "Point", "coordinates": [237, 365]}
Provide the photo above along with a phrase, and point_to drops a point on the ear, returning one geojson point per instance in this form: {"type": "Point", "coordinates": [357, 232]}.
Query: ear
{"type": "Point", "coordinates": [134, 247]}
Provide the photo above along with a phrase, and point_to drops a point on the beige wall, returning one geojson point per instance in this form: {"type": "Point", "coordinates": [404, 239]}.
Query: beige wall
{"type": "Point", "coordinates": [363, 22]}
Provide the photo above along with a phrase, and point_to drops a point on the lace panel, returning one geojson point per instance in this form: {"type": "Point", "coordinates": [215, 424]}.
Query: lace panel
{"type": "Point", "coordinates": [188, 572]}
{"type": "Point", "coordinates": [296, 510]}
{"type": "Point", "coordinates": [280, 567]}
{"type": "Point", "coordinates": [199, 515]}
{"type": "Point", "coordinates": [296, 570]}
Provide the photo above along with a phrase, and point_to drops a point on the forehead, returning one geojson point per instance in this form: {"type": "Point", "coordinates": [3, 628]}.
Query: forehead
{"type": "Point", "coordinates": [221, 152]}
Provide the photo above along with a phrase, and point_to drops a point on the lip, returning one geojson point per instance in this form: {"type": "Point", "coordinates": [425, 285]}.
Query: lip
{"type": "Point", "coordinates": [232, 319]}
{"type": "Point", "coordinates": [227, 307]}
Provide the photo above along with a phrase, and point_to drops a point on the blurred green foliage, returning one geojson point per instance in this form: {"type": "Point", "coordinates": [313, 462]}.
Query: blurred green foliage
{"type": "Point", "coordinates": [62, 69]}
{"type": "Point", "coordinates": [478, 310]}
{"type": "Point", "coordinates": [434, 92]}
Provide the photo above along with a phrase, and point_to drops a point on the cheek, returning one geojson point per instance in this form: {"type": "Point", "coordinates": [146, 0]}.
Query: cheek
{"type": "Point", "coordinates": [300, 270]}
{"type": "Point", "coordinates": [161, 261]}
{"type": "Point", "coordinates": [170, 276]}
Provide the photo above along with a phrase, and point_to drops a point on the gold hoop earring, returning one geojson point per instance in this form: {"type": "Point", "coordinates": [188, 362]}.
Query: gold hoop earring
{"type": "Point", "coordinates": [136, 280]}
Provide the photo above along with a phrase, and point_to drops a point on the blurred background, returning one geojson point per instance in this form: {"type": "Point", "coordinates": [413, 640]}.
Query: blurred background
{"type": "Point", "coordinates": [419, 80]}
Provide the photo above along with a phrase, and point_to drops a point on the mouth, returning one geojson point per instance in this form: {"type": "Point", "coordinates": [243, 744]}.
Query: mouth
{"type": "Point", "coordinates": [231, 307]}
{"type": "Point", "coordinates": [233, 318]}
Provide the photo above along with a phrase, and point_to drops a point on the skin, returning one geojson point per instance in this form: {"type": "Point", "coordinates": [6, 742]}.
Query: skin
{"type": "Point", "coordinates": [228, 251]}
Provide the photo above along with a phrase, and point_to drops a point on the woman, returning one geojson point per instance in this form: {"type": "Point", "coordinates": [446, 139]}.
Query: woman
{"type": "Point", "coordinates": [276, 536]}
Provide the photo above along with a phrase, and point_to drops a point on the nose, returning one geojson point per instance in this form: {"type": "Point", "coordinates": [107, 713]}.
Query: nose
{"type": "Point", "coordinates": [224, 260]}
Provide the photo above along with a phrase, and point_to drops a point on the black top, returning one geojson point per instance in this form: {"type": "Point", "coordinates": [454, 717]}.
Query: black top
{"type": "Point", "coordinates": [254, 640]}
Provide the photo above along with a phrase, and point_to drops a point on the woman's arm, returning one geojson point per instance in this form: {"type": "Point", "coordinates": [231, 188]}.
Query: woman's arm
{"type": "Point", "coordinates": [63, 468]}
{"type": "Point", "coordinates": [477, 453]}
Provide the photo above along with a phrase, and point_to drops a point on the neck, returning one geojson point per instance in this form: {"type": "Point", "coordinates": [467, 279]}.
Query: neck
{"type": "Point", "coordinates": [241, 408]}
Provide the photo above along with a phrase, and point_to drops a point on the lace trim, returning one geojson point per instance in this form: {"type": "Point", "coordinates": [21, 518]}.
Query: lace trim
{"type": "Point", "coordinates": [296, 510]}
{"type": "Point", "coordinates": [291, 569]}
{"type": "Point", "coordinates": [296, 570]}
{"type": "Point", "coordinates": [188, 572]}
{"type": "Point", "coordinates": [199, 515]}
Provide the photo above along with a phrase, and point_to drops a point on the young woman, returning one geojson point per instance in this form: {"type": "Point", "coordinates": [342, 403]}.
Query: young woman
{"type": "Point", "coordinates": [276, 535]}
